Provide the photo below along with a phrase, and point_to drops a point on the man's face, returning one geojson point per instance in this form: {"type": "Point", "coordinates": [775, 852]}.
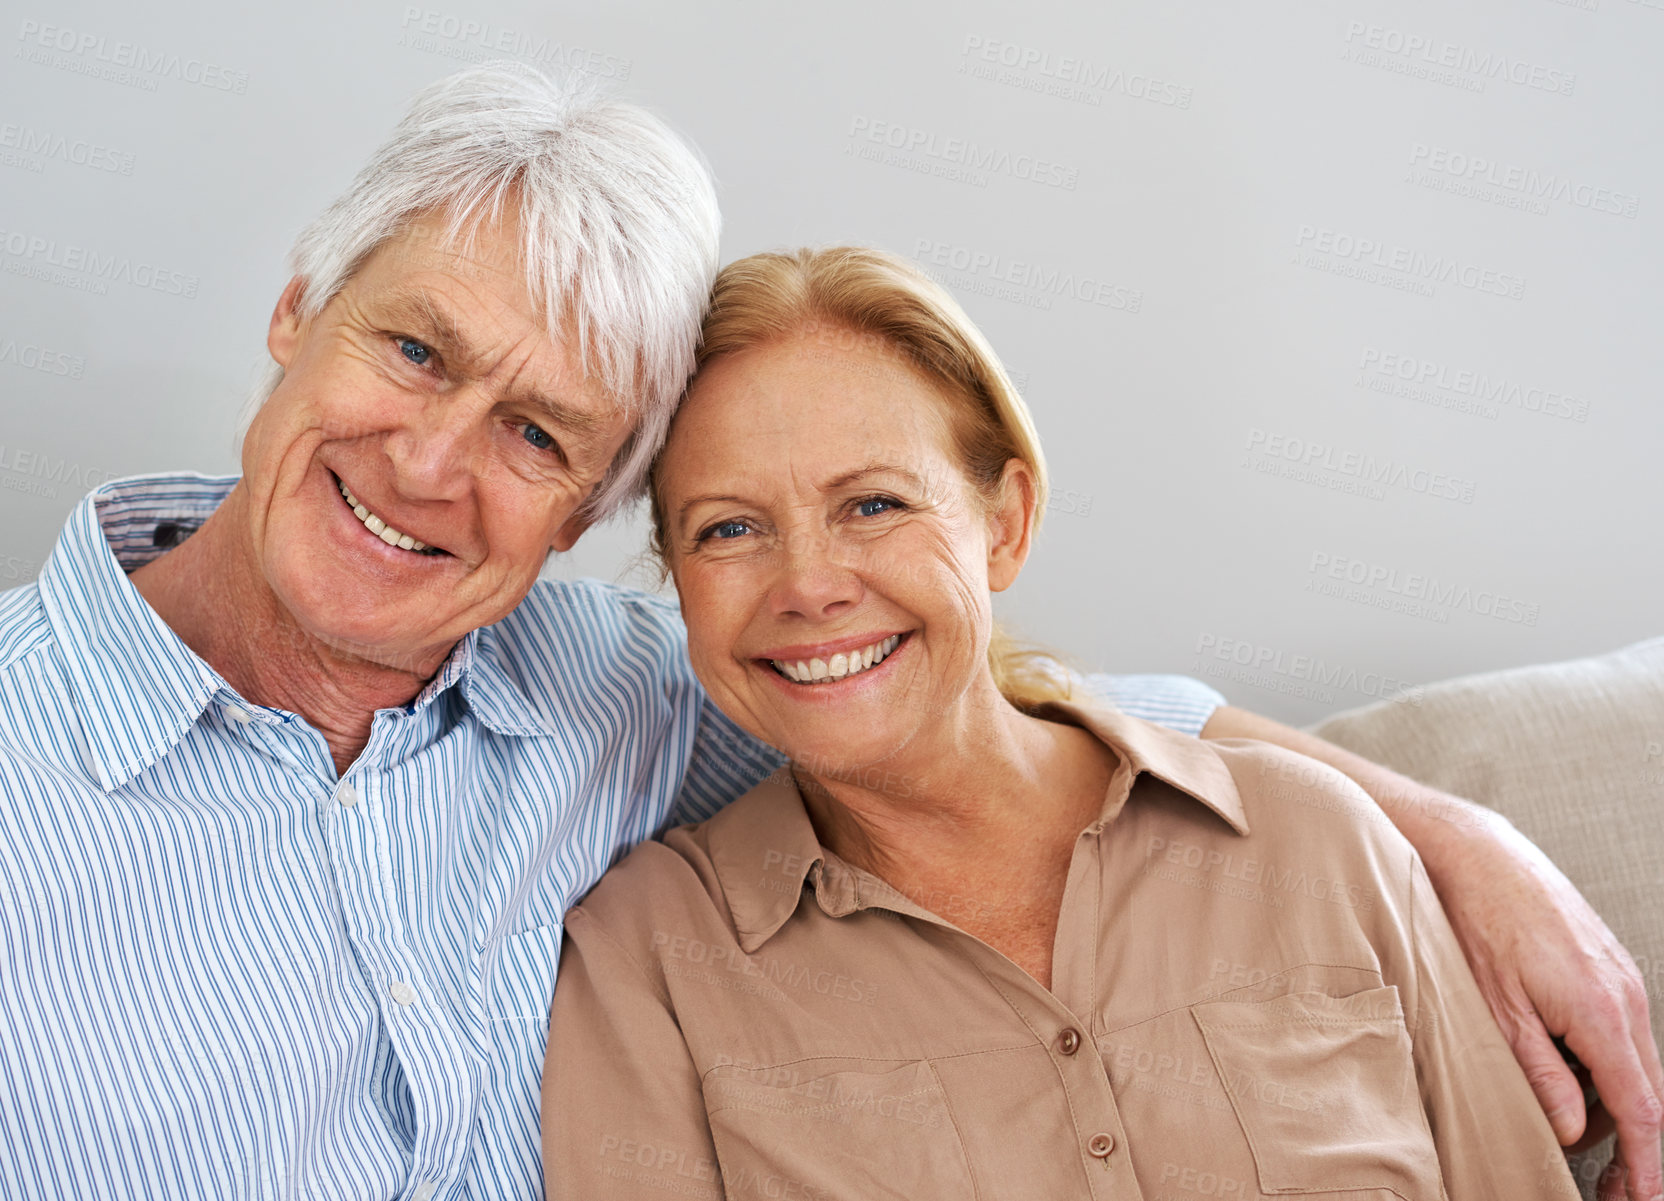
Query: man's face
{"type": "Point", "coordinates": [430, 390]}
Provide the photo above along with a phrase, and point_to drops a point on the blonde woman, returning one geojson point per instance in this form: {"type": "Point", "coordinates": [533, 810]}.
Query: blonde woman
{"type": "Point", "coordinates": [984, 939]}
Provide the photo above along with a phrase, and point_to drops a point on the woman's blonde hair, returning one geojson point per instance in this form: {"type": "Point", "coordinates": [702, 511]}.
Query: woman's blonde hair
{"type": "Point", "coordinates": [851, 297]}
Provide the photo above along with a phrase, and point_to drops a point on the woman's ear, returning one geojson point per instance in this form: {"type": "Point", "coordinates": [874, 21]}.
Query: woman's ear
{"type": "Point", "coordinates": [1011, 525]}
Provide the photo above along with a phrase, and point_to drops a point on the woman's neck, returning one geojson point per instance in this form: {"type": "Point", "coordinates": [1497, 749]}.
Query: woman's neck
{"type": "Point", "coordinates": [985, 816]}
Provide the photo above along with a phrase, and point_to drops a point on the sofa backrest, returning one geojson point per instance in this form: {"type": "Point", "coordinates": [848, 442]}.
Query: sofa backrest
{"type": "Point", "coordinates": [1571, 753]}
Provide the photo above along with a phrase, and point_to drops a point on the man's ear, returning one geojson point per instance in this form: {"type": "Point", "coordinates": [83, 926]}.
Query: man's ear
{"type": "Point", "coordinates": [283, 335]}
{"type": "Point", "coordinates": [567, 536]}
{"type": "Point", "coordinates": [1011, 525]}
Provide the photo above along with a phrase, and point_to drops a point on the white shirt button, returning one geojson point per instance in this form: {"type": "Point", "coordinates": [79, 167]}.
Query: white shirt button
{"type": "Point", "coordinates": [423, 1191]}
{"type": "Point", "coordinates": [402, 992]}
{"type": "Point", "coordinates": [347, 795]}
{"type": "Point", "coordinates": [237, 715]}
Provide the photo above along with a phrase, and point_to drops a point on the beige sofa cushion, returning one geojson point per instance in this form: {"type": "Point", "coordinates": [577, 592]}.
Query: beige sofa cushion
{"type": "Point", "coordinates": [1572, 753]}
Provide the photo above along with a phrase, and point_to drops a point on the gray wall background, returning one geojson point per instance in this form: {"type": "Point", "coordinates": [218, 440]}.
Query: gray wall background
{"type": "Point", "coordinates": [1340, 320]}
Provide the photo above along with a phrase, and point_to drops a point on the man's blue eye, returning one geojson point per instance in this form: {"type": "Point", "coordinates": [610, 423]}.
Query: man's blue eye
{"type": "Point", "coordinates": [874, 505]}
{"type": "Point", "coordinates": [538, 437]}
{"type": "Point", "coordinates": [414, 351]}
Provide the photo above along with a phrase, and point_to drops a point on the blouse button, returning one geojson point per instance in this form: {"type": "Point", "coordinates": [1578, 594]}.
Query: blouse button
{"type": "Point", "coordinates": [1101, 1145]}
{"type": "Point", "coordinates": [1069, 1042]}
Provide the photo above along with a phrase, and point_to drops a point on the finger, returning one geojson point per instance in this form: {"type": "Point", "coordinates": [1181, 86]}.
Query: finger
{"type": "Point", "coordinates": [1557, 1089]}
{"type": "Point", "coordinates": [1639, 1143]}
{"type": "Point", "coordinates": [1611, 1049]}
{"type": "Point", "coordinates": [1597, 1125]}
{"type": "Point", "coordinates": [1633, 989]}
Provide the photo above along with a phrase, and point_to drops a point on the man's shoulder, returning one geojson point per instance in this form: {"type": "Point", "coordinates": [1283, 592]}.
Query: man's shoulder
{"type": "Point", "coordinates": [597, 620]}
{"type": "Point", "coordinates": [24, 629]}
{"type": "Point", "coordinates": [39, 723]}
{"type": "Point", "coordinates": [590, 603]}
{"type": "Point", "coordinates": [1178, 702]}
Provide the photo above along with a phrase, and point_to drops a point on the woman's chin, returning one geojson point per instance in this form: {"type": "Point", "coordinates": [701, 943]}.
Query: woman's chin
{"type": "Point", "coordinates": [832, 756]}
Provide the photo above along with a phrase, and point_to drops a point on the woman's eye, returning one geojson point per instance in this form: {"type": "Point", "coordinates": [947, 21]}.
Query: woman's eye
{"type": "Point", "coordinates": [874, 505]}
{"type": "Point", "coordinates": [724, 530]}
{"type": "Point", "coordinates": [538, 437]}
{"type": "Point", "coordinates": [413, 350]}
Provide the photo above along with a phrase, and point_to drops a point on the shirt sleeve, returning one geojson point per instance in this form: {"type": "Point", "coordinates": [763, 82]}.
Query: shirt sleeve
{"type": "Point", "coordinates": [623, 1110]}
{"type": "Point", "coordinates": [1177, 702]}
{"type": "Point", "coordinates": [1494, 1142]}
{"type": "Point", "coordinates": [726, 764]}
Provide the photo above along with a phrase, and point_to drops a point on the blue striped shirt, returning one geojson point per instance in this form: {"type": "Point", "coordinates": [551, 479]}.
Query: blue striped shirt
{"type": "Point", "coordinates": [226, 972]}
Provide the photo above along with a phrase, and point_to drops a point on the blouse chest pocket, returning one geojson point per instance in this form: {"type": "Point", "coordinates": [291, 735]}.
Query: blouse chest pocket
{"type": "Point", "coordinates": [876, 1129]}
{"type": "Point", "coordinates": [1325, 1090]}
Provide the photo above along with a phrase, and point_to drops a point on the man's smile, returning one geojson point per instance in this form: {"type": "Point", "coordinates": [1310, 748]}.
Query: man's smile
{"type": "Point", "coordinates": [380, 528]}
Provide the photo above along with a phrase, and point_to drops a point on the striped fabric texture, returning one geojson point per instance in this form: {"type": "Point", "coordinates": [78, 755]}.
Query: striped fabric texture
{"type": "Point", "coordinates": [226, 972]}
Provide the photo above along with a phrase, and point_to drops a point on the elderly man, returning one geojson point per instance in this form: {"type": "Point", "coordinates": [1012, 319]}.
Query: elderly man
{"type": "Point", "coordinates": [300, 769]}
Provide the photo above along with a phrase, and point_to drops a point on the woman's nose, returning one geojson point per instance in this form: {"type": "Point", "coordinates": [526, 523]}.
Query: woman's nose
{"type": "Point", "coordinates": [814, 580]}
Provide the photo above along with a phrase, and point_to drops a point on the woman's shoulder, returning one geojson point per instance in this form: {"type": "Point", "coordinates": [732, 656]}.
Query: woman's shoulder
{"type": "Point", "coordinates": [682, 882]}
{"type": "Point", "coordinates": [1279, 806]}
{"type": "Point", "coordinates": [1313, 815]}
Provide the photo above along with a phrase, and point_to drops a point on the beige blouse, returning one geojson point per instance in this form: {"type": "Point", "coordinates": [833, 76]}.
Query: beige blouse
{"type": "Point", "coordinates": [1254, 993]}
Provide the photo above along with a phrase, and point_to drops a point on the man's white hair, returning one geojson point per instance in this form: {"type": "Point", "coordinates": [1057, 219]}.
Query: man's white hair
{"type": "Point", "coordinates": [618, 227]}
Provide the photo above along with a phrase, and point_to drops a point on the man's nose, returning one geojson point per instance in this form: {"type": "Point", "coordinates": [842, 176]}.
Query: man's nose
{"type": "Point", "coordinates": [442, 449]}
{"type": "Point", "coordinates": [816, 578]}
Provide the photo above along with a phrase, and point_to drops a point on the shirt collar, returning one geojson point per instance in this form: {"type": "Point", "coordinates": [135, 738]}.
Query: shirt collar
{"type": "Point", "coordinates": [1188, 764]}
{"type": "Point", "coordinates": [764, 850]}
{"type": "Point", "coordinates": [137, 687]}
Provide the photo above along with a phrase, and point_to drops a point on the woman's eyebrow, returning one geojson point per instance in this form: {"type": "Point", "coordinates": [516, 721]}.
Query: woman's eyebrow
{"type": "Point", "coordinates": [850, 477]}
{"type": "Point", "coordinates": [839, 481]}
{"type": "Point", "coordinates": [682, 511]}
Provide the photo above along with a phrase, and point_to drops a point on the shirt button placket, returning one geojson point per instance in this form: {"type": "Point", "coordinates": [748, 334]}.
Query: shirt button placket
{"type": "Point", "coordinates": [423, 1037]}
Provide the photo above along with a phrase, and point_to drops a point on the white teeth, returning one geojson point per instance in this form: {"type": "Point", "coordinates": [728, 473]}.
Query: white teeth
{"type": "Point", "coordinates": [841, 665]}
{"type": "Point", "coordinates": [378, 527]}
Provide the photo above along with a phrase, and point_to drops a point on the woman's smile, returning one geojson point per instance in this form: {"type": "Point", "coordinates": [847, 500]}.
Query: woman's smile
{"type": "Point", "coordinates": [832, 663]}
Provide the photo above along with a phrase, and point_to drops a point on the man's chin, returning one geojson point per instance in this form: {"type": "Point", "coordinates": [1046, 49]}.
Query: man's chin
{"type": "Point", "coordinates": [406, 634]}
{"type": "Point", "coordinates": [418, 657]}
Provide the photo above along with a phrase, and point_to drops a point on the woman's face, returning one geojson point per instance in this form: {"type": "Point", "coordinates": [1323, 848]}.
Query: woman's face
{"type": "Point", "coordinates": [833, 562]}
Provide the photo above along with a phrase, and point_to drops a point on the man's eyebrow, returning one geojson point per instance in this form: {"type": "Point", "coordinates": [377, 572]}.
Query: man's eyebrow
{"type": "Point", "coordinates": [566, 416]}
{"type": "Point", "coordinates": [419, 304]}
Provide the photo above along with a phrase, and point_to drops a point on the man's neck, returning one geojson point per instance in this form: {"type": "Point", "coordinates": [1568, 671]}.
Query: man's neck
{"type": "Point", "coordinates": [210, 593]}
